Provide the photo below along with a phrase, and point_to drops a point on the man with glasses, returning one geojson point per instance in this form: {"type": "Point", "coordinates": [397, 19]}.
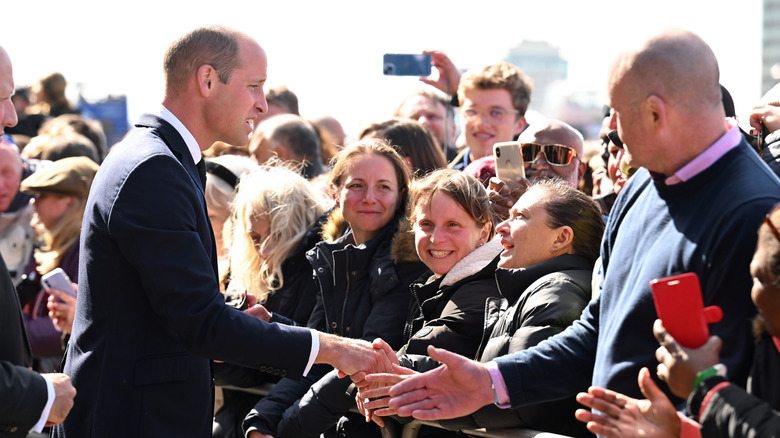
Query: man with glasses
{"type": "Point", "coordinates": [551, 149]}
{"type": "Point", "coordinates": [493, 101]}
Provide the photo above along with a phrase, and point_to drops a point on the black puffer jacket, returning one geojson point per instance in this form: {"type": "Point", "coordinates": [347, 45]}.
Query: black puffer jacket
{"type": "Point", "coordinates": [364, 293]}
{"type": "Point", "coordinates": [449, 311]}
{"type": "Point", "coordinates": [540, 301]}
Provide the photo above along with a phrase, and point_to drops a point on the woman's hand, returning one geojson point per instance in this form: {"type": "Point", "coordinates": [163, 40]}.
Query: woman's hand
{"type": "Point", "coordinates": [259, 311]}
{"type": "Point", "coordinates": [378, 388]}
{"type": "Point", "coordinates": [62, 309]}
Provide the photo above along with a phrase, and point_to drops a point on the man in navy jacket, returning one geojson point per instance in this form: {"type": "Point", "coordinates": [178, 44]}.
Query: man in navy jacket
{"type": "Point", "coordinates": [149, 315]}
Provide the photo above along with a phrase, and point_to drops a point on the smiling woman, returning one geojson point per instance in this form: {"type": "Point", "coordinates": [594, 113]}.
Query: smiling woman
{"type": "Point", "coordinates": [363, 268]}
{"type": "Point", "coordinates": [453, 228]}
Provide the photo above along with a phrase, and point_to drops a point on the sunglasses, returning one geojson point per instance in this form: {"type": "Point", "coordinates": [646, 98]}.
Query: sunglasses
{"type": "Point", "coordinates": [769, 223]}
{"type": "Point", "coordinates": [555, 154]}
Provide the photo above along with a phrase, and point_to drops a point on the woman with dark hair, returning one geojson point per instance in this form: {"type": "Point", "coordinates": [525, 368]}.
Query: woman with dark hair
{"type": "Point", "coordinates": [413, 140]}
{"type": "Point", "coordinates": [551, 241]}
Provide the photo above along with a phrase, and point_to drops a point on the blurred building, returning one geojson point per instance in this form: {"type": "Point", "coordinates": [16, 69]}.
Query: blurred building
{"type": "Point", "coordinates": [770, 70]}
{"type": "Point", "coordinates": [552, 95]}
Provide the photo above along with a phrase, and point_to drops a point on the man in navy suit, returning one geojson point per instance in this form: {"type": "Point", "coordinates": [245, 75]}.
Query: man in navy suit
{"type": "Point", "coordinates": [149, 317]}
{"type": "Point", "coordinates": [28, 400]}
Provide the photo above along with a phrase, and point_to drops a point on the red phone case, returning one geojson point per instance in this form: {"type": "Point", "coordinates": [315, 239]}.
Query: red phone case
{"type": "Point", "coordinates": [678, 302]}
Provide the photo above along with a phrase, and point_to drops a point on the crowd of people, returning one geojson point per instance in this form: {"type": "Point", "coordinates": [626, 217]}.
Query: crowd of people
{"type": "Point", "coordinates": [229, 241]}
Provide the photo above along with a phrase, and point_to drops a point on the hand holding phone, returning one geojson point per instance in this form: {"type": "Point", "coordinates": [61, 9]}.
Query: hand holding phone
{"type": "Point", "coordinates": [678, 302]}
{"type": "Point", "coordinates": [509, 163]}
{"type": "Point", "coordinates": [57, 279]}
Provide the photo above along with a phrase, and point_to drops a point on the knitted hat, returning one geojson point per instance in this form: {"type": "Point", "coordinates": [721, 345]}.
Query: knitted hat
{"type": "Point", "coordinates": [70, 176]}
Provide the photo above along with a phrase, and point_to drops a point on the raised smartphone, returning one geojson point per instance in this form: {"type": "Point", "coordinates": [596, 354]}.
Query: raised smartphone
{"type": "Point", "coordinates": [398, 64]}
{"type": "Point", "coordinates": [509, 163]}
{"type": "Point", "coordinates": [678, 302]}
{"type": "Point", "coordinates": [58, 279]}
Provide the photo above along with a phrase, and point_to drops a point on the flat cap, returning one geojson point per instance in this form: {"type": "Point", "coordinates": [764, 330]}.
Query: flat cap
{"type": "Point", "coordinates": [69, 176]}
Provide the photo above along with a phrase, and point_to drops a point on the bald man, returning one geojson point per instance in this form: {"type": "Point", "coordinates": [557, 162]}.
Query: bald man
{"type": "Point", "coordinates": [565, 147]}
{"type": "Point", "coordinates": [290, 138]}
{"type": "Point", "coordinates": [694, 207]}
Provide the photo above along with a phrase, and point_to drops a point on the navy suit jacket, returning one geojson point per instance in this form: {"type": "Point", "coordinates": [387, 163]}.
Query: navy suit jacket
{"type": "Point", "coordinates": [149, 316]}
{"type": "Point", "coordinates": [23, 392]}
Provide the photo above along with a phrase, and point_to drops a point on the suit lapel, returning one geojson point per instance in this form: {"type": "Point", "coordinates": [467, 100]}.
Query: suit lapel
{"type": "Point", "coordinates": [171, 137]}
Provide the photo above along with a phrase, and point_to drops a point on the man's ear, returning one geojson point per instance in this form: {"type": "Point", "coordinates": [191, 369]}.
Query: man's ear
{"type": "Point", "coordinates": [520, 125]}
{"type": "Point", "coordinates": [654, 111]}
{"type": "Point", "coordinates": [283, 153]}
{"type": "Point", "coordinates": [206, 78]}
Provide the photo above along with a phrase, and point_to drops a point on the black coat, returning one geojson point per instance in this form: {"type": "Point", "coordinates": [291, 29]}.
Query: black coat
{"type": "Point", "coordinates": [149, 316]}
{"type": "Point", "coordinates": [364, 294]}
{"type": "Point", "coordinates": [733, 412]}
{"type": "Point", "coordinates": [291, 304]}
{"type": "Point", "coordinates": [24, 392]}
{"type": "Point", "coordinates": [449, 311]}
{"type": "Point", "coordinates": [540, 301]}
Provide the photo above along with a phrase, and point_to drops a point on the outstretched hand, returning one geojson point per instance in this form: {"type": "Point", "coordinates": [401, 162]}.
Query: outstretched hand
{"type": "Point", "coordinates": [623, 416]}
{"type": "Point", "coordinates": [458, 387]}
{"type": "Point", "coordinates": [353, 356]}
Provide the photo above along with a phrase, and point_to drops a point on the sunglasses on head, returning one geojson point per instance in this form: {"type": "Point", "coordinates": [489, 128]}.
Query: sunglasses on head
{"type": "Point", "coordinates": [556, 154]}
{"type": "Point", "coordinates": [769, 223]}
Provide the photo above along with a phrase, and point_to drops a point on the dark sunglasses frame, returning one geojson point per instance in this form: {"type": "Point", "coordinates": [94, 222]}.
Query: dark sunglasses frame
{"type": "Point", "coordinates": [538, 147]}
{"type": "Point", "coordinates": [769, 223]}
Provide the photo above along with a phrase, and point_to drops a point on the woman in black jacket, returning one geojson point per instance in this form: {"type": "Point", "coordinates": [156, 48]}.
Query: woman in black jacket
{"type": "Point", "coordinates": [363, 268]}
{"type": "Point", "coordinates": [551, 241]}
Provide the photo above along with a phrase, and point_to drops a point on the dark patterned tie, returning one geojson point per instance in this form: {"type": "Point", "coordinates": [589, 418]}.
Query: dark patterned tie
{"type": "Point", "coordinates": [202, 171]}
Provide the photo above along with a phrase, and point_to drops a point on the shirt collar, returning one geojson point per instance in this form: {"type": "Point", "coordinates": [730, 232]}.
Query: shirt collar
{"type": "Point", "coordinates": [192, 145]}
{"type": "Point", "coordinates": [727, 142]}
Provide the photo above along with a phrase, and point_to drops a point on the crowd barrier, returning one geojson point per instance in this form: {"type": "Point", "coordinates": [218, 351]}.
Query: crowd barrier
{"type": "Point", "coordinates": [412, 429]}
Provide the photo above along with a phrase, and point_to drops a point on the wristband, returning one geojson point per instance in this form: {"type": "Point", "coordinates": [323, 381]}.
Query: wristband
{"type": "Point", "coordinates": [717, 370]}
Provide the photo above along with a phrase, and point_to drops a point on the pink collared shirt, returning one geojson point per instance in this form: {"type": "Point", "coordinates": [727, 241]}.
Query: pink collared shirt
{"type": "Point", "coordinates": [727, 142]}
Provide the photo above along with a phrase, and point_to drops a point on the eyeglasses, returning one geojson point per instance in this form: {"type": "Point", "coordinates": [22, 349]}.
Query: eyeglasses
{"type": "Point", "coordinates": [769, 223]}
{"type": "Point", "coordinates": [555, 154]}
{"type": "Point", "coordinates": [495, 114]}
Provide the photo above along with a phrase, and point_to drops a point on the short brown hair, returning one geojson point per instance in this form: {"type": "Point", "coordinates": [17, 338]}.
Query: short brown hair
{"type": "Point", "coordinates": [215, 46]}
{"type": "Point", "coordinates": [501, 76]}
{"type": "Point", "coordinates": [467, 191]}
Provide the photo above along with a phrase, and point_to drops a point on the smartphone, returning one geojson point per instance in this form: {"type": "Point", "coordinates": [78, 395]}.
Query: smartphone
{"type": "Point", "coordinates": [509, 163]}
{"type": "Point", "coordinates": [396, 64]}
{"type": "Point", "coordinates": [678, 302]}
{"type": "Point", "coordinates": [58, 279]}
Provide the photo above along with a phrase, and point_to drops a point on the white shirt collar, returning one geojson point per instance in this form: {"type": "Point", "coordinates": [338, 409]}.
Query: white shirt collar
{"type": "Point", "coordinates": [192, 145]}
